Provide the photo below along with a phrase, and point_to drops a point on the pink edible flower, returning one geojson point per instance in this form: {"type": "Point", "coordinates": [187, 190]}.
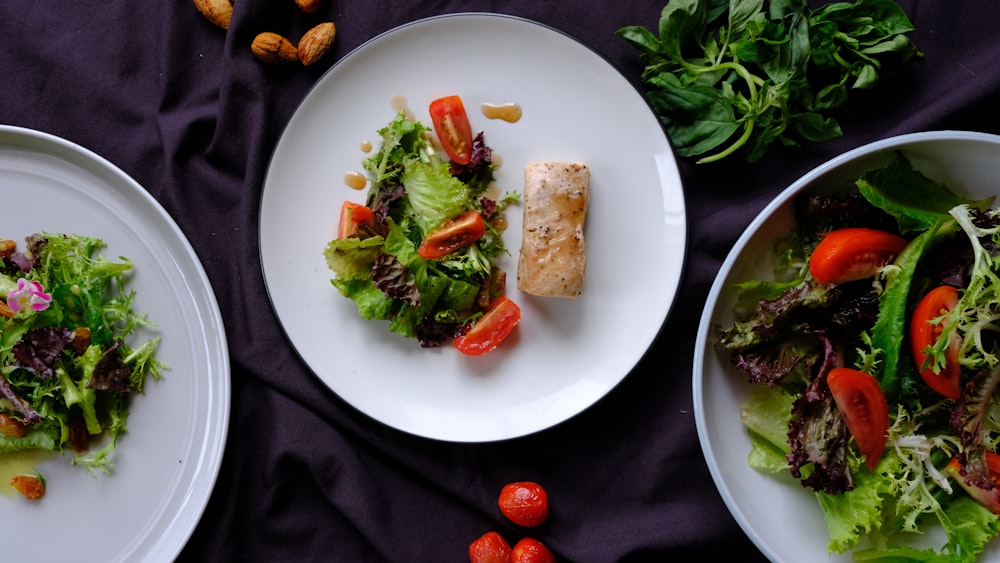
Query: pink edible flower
{"type": "Point", "coordinates": [28, 294]}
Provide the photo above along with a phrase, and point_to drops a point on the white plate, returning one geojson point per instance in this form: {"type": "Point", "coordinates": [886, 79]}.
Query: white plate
{"type": "Point", "coordinates": [565, 355]}
{"type": "Point", "coordinates": [781, 517]}
{"type": "Point", "coordinates": [166, 463]}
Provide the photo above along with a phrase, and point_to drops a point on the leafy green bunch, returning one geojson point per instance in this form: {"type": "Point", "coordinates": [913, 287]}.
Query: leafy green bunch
{"type": "Point", "coordinates": [728, 76]}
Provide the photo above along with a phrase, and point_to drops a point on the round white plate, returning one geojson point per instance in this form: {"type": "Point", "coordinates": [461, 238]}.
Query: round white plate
{"type": "Point", "coordinates": [166, 464]}
{"type": "Point", "coordinates": [564, 355]}
{"type": "Point", "coordinates": [781, 517]}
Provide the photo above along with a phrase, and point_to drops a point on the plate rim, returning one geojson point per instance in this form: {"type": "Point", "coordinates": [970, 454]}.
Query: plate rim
{"type": "Point", "coordinates": [208, 446]}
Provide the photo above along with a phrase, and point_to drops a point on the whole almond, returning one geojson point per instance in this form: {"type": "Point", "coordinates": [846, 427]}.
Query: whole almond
{"type": "Point", "coordinates": [274, 49]}
{"type": "Point", "coordinates": [316, 42]}
{"type": "Point", "coordinates": [309, 6]}
{"type": "Point", "coordinates": [218, 12]}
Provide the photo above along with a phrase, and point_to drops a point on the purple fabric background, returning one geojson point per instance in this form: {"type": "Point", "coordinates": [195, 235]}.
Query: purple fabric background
{"type": "Point", "coordinates": [185, 109]}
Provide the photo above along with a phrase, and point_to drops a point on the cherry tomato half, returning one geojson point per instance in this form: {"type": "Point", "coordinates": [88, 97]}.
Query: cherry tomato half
{"type": "Point", "coordinates": [853, 254]}
{"type": "Point", "coordinates": [524, 503]}
{"type": "Point", "coordinates": [923, 333]}
{"type": "Point", "coordinates": [452, 235]}
{"type": "Point", "coordinates": [530, 550]}
{"type": "Point", "coordinates": [498, 322]}
{"type": "Point", "coordinates": [988, 498]}
{"type": "Point", "coordinates": [862, 403]}
{"type": "Point", "coordinates": [491, 547]}
{"type": "Point", "coordinates": [352, 216]}
{"type": "Point", "coordinates": [451, 124]}
{"type": "Point", "coordinates": [31, 486]}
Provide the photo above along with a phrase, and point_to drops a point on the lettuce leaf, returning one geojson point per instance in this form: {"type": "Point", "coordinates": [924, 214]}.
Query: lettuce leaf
{"type": "Point", "coordinates": [916, 201]}
{"type": "Point", "coordinates": [434, 194]}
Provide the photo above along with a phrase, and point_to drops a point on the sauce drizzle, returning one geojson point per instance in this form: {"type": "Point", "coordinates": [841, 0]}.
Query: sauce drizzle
{"type": "Point", "coordinates": [509, 112]}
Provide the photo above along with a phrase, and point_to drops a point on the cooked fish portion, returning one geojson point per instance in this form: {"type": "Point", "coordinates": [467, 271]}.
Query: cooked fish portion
{"type": "Point", "coordinates": [553, 260]}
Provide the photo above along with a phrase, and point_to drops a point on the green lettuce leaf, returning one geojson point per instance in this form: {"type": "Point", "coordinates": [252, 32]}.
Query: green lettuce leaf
{"type": "Point", "coordinates": [434, 194]}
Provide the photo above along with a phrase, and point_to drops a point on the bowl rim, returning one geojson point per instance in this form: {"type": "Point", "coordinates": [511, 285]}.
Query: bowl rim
{"type": "Point", "coordinates": [705, 325]}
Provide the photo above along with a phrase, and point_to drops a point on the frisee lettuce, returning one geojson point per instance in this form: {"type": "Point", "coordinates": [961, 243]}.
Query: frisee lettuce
{"type": "Point", "coordinates": [789, 331]}
{"type": "Point", "coordinates": [46, 382]}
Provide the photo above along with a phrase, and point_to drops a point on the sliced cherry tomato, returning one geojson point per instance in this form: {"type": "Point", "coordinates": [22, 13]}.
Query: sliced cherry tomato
{"type": "Point", "coordinates": [490, 330]}
{"type": "Point", "coordinates": [923, 333]}
{"type": "Point", "coordinates": [853, 254]}
{"type": "Point", "coordinates": [451, 124]}
{"type": "Point", "coordinates": [524, 503]}
{"type": "Point", "coordinates": [452, 235]}
{"type": "Point", "coordinates": [352, 216]}
{"type": "Point", "coordinates": [491, 547]}
{"type": "Point", "coordinates": [530, 550]}
{"type": "Point", "coordinates": [31, 486]}
{"type": "Point", "coordinates": [990, 498]}
{"type": "Point", "coordinates": [862, 403]}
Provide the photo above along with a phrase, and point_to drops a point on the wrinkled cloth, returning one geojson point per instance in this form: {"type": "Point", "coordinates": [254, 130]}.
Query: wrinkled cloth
{"type": "Point", "coordinates": [184, 108]}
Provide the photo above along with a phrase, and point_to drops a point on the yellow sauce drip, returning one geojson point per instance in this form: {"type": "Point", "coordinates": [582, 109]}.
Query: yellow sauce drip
{"type": "Point", "coordinates": [355, 180]}
{"type": "Point", "coordinates": [509, 112]}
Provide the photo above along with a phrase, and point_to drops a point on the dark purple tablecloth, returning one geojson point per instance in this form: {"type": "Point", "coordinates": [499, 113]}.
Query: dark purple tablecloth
{"type": "Point", "coordinates": [185, 109]}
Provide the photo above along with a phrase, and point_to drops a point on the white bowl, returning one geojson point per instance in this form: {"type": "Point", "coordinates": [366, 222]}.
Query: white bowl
{"type": "Point", "coordinates": [780, 516]}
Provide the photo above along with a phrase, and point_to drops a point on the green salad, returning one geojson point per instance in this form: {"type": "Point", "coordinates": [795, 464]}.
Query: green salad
{"type": "Point", "coordinates": [67, 364]}
{"type": "Point", "coordinates": [421, 251]}
{"type": "Point", "coordinates": [876, 356]}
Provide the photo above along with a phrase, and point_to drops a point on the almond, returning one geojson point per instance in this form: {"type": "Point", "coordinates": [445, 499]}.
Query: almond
{"type": "Point", "coordinates": [309, 6]}
{"type": "Point", "coordinates": [217, 11]}
{"type": "Point", "coordinates": [316, 42]}
{"type": "Point", "coordinates": [274, 49]}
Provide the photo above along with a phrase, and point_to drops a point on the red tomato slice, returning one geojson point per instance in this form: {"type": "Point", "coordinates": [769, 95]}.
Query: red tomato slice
{"type": "Point", "coordinates": [853, 254]}
{"type": "Point", "coordinates": [352, 216]}
{"type": "Point", "coordinates": [923, 333]}
{"type": "Point", "coordinates": [862, 403]}
{"type": "Point", "coordinates": [491, 329]}
{"type": "Point", "coordinates": [451, 124]}
{"type": "Point", "coordinates": [988, 498]}
{"type": "Point", "coordinates": [452, 235]}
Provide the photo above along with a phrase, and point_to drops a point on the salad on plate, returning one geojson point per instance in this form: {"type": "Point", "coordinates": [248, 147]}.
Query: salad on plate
{"type": "Point", "coordinates": [420, 252]}
{"type": "Point", "coordinates": [68, 363]}
{"type": "Point", "coordinates": [875, 353]}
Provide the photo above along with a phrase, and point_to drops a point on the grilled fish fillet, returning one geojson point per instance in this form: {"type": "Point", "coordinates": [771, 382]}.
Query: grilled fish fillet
{"type": "Point", "coordinates": [553, 260]}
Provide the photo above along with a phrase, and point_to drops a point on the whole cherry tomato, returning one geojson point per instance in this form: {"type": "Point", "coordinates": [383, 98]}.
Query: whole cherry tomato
{"type": "Point", "coordinates": [524, 503]}
{"type": "Point", "coordinates": [853, 254]}
{"type": "Point", "coordinates": [530, 550]}
{"type": "Point", "coordinates": [491, 547]}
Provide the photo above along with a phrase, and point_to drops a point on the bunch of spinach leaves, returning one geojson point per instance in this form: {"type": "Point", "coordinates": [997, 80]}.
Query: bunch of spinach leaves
{"type": "Point", "coordinates": [728, 76]}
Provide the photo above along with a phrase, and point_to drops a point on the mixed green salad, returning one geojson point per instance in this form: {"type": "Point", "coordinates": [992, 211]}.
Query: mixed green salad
{"type": "Point", "coordinates": [67, 369]}
{"type": "Point", "coordinates": [421, 250]}
{"type": "Point", "coordinates": [875, 349]}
